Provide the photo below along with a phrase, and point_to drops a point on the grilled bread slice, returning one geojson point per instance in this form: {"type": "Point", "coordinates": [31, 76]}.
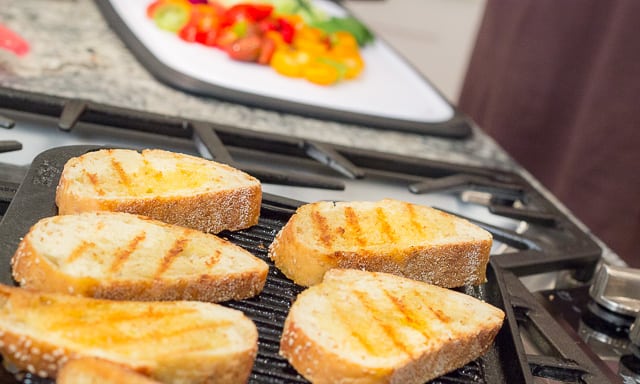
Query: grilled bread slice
{"type": "Point", "coordinates": [391, 236]}
{"type": "Point", "coordinates": [90, 370]}
{"type": "Point", "coordinates": [372, 327]}
{"type": "Point", "coordinates": [171, 187]}
{"type": "Point", "coordinates": [117, 255]}
{"type": "Point", "coordinates": [184, 342]}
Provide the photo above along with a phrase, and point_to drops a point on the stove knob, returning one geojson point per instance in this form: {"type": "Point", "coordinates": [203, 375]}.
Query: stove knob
{"type": "Point", "coordinates": [634, 332]}
{"type": "Point", "coordinates": [617, 289]}
{"type": "Point", "coordinates": [629, 367]}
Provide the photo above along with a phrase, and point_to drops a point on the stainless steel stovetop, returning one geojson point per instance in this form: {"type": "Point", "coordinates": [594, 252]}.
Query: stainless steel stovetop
{"type": "Point", "coordinates": [534, 241]}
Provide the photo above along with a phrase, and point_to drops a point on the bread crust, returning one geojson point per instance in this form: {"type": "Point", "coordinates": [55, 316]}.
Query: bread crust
{"type": "Point", "coordinates": [321, 362]}
{"type": "Point", "coordinates": [36, 353]}
{"type": "Point", "coordinates": [232, 208]}
{"type": "Point", "coordinates": [92, 370]}
{"type": "Point", "coordinates": [447, 265]}
{"type": "Point", "coordinates": [33, 271]}
{"type": "Point", "coordinates": [321, 365]}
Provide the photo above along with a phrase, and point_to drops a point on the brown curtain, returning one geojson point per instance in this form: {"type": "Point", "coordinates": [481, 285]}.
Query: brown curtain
{"type": "Point", "coordinates": [557, 84]}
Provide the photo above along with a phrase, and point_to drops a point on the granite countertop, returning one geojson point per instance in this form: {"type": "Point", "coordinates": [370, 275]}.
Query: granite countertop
{"type": "Point", "coordinates": [75, 54]}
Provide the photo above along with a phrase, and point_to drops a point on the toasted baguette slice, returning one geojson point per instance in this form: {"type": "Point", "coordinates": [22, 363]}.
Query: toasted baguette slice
{"type": "Point", "coordinates": [371, 327]}
{"type": "Point", "coordinates": [116, 255]}
{"type": "Point", "coordinates": [171, 187]}
{"type": "Point", "coordinates": [90, 370]}
{"type": "Point", "coordinates": [391, 236]}
{"type": "Point", "coordinates": [183, 342]}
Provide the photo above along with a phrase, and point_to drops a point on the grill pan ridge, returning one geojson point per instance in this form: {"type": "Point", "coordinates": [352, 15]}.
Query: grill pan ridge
{"type": "Point", "coordinates": [504, 362]}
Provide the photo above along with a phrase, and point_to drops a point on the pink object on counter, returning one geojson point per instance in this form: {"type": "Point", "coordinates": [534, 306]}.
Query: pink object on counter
{"type": "Point", "coordinates": [11, 41]}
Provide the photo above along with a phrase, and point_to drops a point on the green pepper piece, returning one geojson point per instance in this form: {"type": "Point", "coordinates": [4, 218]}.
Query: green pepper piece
{"type": "Point", "coordinates": [347, 24]}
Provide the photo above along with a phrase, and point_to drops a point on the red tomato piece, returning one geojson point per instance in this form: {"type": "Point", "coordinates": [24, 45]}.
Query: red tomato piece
{"type": "Point", "coordinates": [267, 48]}
{"type": "Point", "coordinates": [188, 33]}
{"type": "Point", "coordinates": [246, 11]}
{"type": "Point", "coordinates": [225, 37]}
{"type": "Point", "coordinates": [207, 38]}
{"type": "Point", "coordinates": [151, 8]}
{"type": "Point", "coordinates": [268, 24]}
{"type": "Point", "coordinates": [245, 49]}
{"type": "Point", "coordinates": [286, 30]}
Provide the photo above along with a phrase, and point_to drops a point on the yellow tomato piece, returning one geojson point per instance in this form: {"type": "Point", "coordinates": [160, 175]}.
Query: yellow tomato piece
{"type": "Point", "coordinates": [313, 47]}
{"type": "Point", "coordinates": [354, 64]}
{"type": "Point", "coordinates": [311, 33]}
{"type": "Point", "coordinates": [289, 62]}
{"type": "Point", "coordinates": [321, 73]}
{"type": "Point", "coordinates": [344, 41]}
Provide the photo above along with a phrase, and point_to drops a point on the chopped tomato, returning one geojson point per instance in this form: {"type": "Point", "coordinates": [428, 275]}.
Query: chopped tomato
{"type": "Point", "coordinates": [188, 33]}
{"type": "Point", "coordinates": [226, 37]}
{"type": "Point", "coordinates": [289, 62]}
{"type": "Point", "coordinates": [248, 12]}
{"type": "Point", "coordinates": [254, 33]}
{"type": "Point", "coordinates": [286, 29]}
{"type": "Point", "coordinates": [245, 49]}
{"type": "Point", "coordinates": [267, 50]}
{"type": "Point", "coordinates": [354, 64]}
{"type": "Point", "coordinates": [321, 73]}
{"type": "Point", "coordinates": [207, 38]}
{"type": "Point", "coordinates": [151, 8]}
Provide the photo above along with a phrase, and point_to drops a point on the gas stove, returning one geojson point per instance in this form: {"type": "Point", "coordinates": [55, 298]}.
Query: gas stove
{"type": "Point", "coordinates": [537, 248]}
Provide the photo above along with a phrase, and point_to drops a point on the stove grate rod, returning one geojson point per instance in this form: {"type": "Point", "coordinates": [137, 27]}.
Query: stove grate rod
{"type": "Point", "coordinates": [209, 143]}
{"type": "Point", "coordinates": [298, 179]}
{"type": "Point", "coordinates": [210, 146]}
{"type": "Point", "coordinates": [498, 189]}
{"type": "Point", "coordinates": [511, 238]}
{"type": "Point", "coordinates": [6, 122]}
{"type": "Point", "coordinates": [529, 215]}
{"type": "Point", "coordinates": [10, 145]}
{"type": "Point", "coordinates": [7, 192]}
{"type": "Point", "coordinates": [330, 157]}
{"type": "Point", "coordinates": [71, 113]}
{"type": "Point", "coordinates": [563, 359]}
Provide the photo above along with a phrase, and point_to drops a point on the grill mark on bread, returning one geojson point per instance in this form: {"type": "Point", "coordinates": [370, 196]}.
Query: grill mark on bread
{"type": "Point", "coordinates": [79, 251]}
{"type": "Point", "coordinates": [440, 315]}
{"type": "Point", "coordinates": [322, 227]}
{"type": "Point", "coordinates": [410, 319]}
{"type": "Point", "coordinates": [413, 219]}
{"type": "Point", "coordinates": [354, 226]}
{"type": "Point", "coordinates": [436, 312]}
{"type": "Point", "coordinates": [189, 329]}
{"type": "Point", "coordinates": [95, 182]}
{"type": "Point", "coordinates": [383, 224]}
{"type": "Point", "coordinates": [122, 174]}
{"type": "Point", "coordinates": [113, 317]}
{"type": "Point", "coordinates": [357, 333]}
{"type": "Point", "coordinates": [179, 332]}
{"type": "Point", "coordinates": [178, 246]}
{"type": "Point", "coordinates": [382, 320]}
{"type": "Point", "coordinates": [86, 331]}
{"type": "Point", "coordinates": [123, 254]}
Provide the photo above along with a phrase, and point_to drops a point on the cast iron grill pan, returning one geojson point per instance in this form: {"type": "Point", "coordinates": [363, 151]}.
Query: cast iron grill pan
{"type": "Point", "coordinates": [35, 200]}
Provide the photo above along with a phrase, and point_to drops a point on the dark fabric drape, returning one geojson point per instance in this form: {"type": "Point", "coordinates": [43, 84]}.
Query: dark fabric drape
{"type": "Point", "coordinates": [557, 84]}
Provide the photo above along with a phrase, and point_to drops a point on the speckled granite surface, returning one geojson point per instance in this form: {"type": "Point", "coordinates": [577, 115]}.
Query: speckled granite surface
{"type": "Point", "coordinates": [75, 54]}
